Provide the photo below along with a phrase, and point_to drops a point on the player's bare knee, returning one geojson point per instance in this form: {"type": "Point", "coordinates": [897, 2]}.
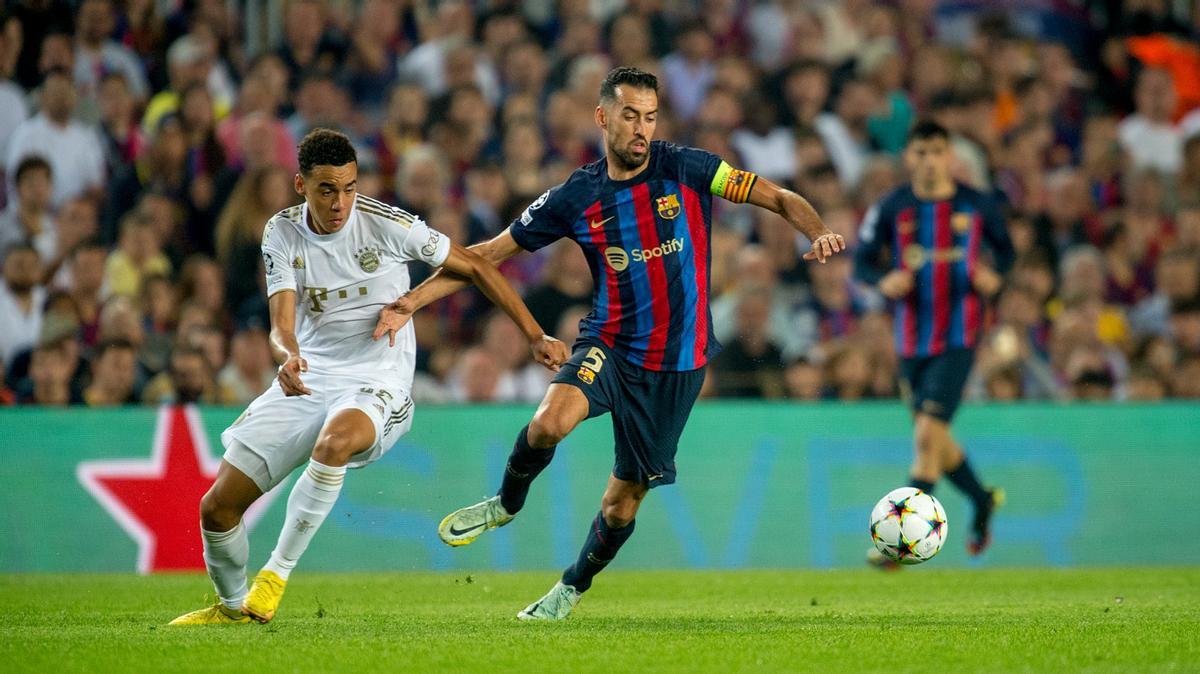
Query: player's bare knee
{"type": "Point", "coordinates": [620, 509]}
{"type": "Point", "coordinates": [547, 429]}
{"type": "Point", "coordinates": [216, 514]}
{"type": "Point", "coordinates": [925, 434]}
{"type": "Point", "coordinates": [619, 515]}
{"type": "Point", "coordinates": [335, 449]}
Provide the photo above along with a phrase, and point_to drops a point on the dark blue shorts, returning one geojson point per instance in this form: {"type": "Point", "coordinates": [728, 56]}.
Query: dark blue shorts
{"type": "Point", "coordinates": [649, 409]}
{"type": "Point", "coordinates": [935, 383]}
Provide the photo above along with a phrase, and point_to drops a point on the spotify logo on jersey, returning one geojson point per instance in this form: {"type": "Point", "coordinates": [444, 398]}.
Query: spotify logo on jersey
{"type": "Point", "coordinates": [618, 259]}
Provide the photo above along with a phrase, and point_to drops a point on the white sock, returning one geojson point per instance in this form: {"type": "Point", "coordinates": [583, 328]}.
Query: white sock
{"type": "Point", "coordinates": [311, 500]}
{"type": "Point", "coordinates": [225, 555]}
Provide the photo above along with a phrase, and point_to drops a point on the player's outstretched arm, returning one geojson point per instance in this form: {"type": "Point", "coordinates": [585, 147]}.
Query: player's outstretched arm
{"type": "Point", "coordinates": [801, 215]}
{"type": "Point", "coordinates": [286, 349]}
{"type": "Point", "coordinates": [443, 282]}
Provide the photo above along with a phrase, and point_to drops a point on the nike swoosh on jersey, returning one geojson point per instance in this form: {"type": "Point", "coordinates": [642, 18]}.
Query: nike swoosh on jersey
{"type": "Point", "coordinates": [600, 223]}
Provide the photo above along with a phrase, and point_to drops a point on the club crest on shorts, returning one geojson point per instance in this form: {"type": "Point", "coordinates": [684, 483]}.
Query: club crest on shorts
{"type": "Point", "coordinates": [298, 263]}
{"type": "Point", "coordinates": [368, 259]}
{"type": "Point", "coordinates": [668, 206]}
{"type": "Point", "coordinates": [586, 375]}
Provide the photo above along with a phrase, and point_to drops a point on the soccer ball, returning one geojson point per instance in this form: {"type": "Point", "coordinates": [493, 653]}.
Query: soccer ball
{"type": "Point", "coordinates": [908, 526]}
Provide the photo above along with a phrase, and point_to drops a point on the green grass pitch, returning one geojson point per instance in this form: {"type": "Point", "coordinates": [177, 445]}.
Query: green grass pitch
{"type": "Point", "coordinates": [926, 619]}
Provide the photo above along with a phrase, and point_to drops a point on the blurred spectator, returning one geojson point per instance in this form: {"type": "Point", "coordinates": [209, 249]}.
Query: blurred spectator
{"type": "Point", "coordinates": [51, 375]}
{"type": "Point", "coordinates": [402, 129]}
{"type": "Point", "coordinates": [159, 308]}
{"type": "Point", "coordinates": [21, 300]}
{"type": "Point", "coordinates": [259, 194]}
{"type": "Point", "coordinates": [308, 47]}
{"type": "Point", "coordinates": [1186, 379]}
{"type": "Point", "coordinates": [567, 282]}
{"type": "Point", "coordinates": [188, 63]}
{"type": "Point", "coordinates": [86, 286]}
{"type": "Point", "coordinates": [476, 377]}
{"type": "Point", "coordinates": [1145, 385]}
{"type": "Point", "coordinates": [202, 282]}
{"type": "Point", "coordinates": [1185, 327]}
{"type": "Point", "coordinates": [790, 324]}
{"type": "Point", "coordinates": [250, 370]}
{"type": "Point", "coordinates": [520, 379]}
{"type": "Point", "coordinates": [72, 149]}
{"type": "Point", "coordinates": [1177, 281]}
{"type": "Point", "coordinates": [764, 146]}
{"type": "Point", "coordinates": [119, 130]}
{"type": "Point", "coordinates": [27, 218]}
{"type": "Point", "coordinates": [138, 253]}
{"type": "Point", "coordinates": [848, 372]}
{"type": "Point", "coordinates": [36, 22]}
{"type": "Point", "coordinates": [751, 364]}
{"type": "Point", "coordinates": [1149, 135]}
{"type": "Point", "coordinates": [14, 108]}
{"type": "Point", "coordinates": [97, 54]}
{"type": "Point", "coordinates": [374, 46]}
{"type": "Point", "coordinates": [253, 134]}
{"type": "Point", "coordinates": [112, 374]}
{"type": "Point", "coordinates": [688, 71]}
{"type": "Point", "coordinates": [804, 380]}
{"type": "Point", "coordinates": [188, 380]}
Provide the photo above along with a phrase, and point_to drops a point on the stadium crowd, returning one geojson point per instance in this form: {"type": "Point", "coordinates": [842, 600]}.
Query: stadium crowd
{"type": "Point", "coordinates": [143, 151]}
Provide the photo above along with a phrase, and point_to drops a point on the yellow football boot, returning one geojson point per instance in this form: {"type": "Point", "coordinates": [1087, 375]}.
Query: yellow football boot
{"type": "Point", "coordinates": [216, 614]}
{"type": "Point", "coordinates": [264, 596]}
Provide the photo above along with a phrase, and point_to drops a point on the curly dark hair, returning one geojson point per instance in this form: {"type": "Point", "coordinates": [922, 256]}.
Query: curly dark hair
{"type": "Point", "coordinates": [325, 147]}
{"type": "Point", "coordinates": [626, 75]}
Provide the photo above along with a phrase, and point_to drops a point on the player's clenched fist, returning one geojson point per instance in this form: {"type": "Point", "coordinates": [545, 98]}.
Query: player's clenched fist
{"type": "Point", "coordinates": [550, 352]}
{"type": "Point", "coordinates": [896, 284]}
{"type": "Point", "coordinates": [825, 246]}
{"type": "Point", "coordinates": [289, 376]}
{"type": "Point", "coordinates": [393, 317]}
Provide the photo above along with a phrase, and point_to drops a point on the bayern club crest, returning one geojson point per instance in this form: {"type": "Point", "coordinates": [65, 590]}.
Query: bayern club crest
{"type": "Point", "coordinates": [668, 206]}
{"type": "Point", "coordinates": [368, 259]}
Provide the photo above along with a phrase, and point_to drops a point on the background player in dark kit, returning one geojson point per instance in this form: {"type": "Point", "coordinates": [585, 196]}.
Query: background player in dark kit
{"type": "Point", "coordinates": [926, 247]}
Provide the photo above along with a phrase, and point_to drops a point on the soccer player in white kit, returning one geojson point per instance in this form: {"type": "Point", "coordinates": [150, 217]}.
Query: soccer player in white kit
{"type": "Point", "coordinates": [341, 399]}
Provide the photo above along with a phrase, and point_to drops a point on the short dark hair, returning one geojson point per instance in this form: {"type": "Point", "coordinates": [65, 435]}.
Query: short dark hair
{"type": "Point", "coordinates": [33, 162]}
{"type": "Point", "coordinates": [635, 77]}
{"type": "Point", "coordinates": [928, 129]}
{"type": "Point", "coordinates": [325, 147]}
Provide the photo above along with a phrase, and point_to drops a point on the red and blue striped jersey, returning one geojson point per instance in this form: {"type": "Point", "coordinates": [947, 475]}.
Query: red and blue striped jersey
{"type": "Point", "coordinates": [646, 240]}
{"type": "Point", "coordinates": [941, 243]}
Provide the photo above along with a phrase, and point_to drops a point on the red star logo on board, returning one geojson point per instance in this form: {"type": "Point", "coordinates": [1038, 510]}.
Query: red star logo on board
{"type": "Point", "coordinates": [156, 500]}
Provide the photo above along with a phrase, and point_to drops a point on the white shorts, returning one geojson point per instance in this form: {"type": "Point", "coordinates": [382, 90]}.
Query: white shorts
{"type": "Point", "coordinates": [277, 433]}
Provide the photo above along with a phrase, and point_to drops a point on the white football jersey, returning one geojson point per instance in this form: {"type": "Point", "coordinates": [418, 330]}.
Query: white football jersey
{"type": "Point", "coordinates": [343, 279]}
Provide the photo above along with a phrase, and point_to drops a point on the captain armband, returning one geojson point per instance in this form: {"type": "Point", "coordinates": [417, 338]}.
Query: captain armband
{"type": "Point", "coordinates": [732, 184]}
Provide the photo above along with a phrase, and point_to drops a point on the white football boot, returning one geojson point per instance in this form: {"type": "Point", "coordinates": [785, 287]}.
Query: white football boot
{"type": "Point", "coordinates": [556, 605]}
{"type": "Point", "coordinates": [466, 524]}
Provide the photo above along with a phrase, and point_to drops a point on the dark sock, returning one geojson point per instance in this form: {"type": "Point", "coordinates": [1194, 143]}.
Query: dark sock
{"type": "Point", "coordinates": [599, 549]}
{"type": "Point", "coordinates": [923, 485]}
{"type": "Point", "coordinates": [523, 466]}
{"type": "Point", "coordinates": [964, 478]}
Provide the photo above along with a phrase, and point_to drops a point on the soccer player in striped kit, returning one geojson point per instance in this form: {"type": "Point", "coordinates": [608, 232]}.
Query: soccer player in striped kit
{"type": "Point", "coordinates": [937, 248]}
{"type": "Point", "coordinates": [642, 216]}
